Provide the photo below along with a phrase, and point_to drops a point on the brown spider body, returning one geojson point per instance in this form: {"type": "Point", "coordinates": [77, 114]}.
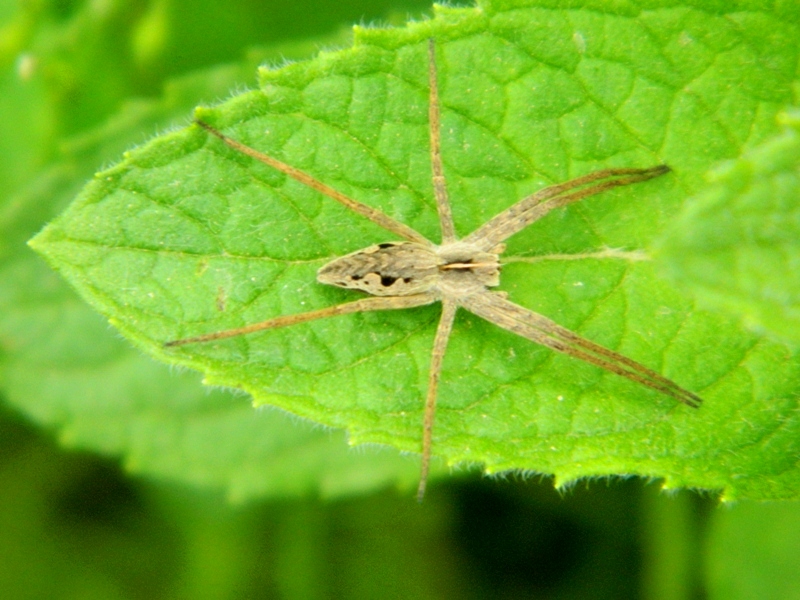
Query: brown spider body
{"type": "Point", "coordinates": [455, 270]}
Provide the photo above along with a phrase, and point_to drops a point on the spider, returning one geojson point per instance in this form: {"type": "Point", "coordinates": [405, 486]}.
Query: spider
{"type": "Point", "coordinates": [458, 272]}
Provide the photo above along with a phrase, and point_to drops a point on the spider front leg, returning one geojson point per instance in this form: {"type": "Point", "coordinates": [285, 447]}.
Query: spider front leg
{"type": "Point", "coordinates": [449, 308]}
{"type": "Point", "coordinates": [379, 218]}
{"type": "Point", "coordinates": [532, 208]}
{"type": "Point", "coordinates": [495, 308]}
{"type": "Point", "coordinates": [437, 169]}
{"type": "Point", "coordinates": [363, 305]}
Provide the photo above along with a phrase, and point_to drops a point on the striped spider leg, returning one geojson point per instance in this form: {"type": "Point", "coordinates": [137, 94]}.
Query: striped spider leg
{"type": "Point", "coordinates": [457, 272]}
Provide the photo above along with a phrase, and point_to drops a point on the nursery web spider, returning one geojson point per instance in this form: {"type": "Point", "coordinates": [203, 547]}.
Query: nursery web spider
{"type": "Point", "coordinates": [457, 272]}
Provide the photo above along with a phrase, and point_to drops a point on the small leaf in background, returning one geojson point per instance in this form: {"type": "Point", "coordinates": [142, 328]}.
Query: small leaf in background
{"type": "Point", "coordinates": [736, 246]}
{"type": "Point", "coordinates": [752, 552]}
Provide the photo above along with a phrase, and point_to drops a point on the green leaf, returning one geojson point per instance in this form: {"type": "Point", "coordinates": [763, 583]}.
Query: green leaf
{"type": "Point", "coordinates": [64, 369]}
{"type": "Point", "coordinates": [186, 236]}
{"type": "Point", "coordinates": [737, 244]}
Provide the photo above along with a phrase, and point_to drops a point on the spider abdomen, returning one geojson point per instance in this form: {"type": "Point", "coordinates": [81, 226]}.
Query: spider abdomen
{"type": "Point", "coordinates": [456, 269]}
{"type": "Point", "coordinates": [388, 269]}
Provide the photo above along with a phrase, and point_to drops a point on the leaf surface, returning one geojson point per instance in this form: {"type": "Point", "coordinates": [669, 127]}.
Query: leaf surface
{"type": "Point", "coordinates": [186, 236]}
{"type": "Point", "coordinates": [66, 370]}
{"type": "Point", "coordinates": [737, 244]}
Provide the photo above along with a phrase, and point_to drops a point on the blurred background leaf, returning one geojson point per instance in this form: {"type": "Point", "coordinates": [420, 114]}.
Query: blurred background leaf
{"type": "Point", "coordinates": [752, 552]}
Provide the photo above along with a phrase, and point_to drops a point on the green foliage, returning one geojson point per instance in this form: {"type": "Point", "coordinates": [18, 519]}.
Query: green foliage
{"type": "Point", "coordinates": [81, 81]}
{"type": "Point", "coordinates": [737, 244]}
{"type": "Point", "coordinates": [61, 366]}
{"type": "Point", "coordinates": [185, 236]}
{"type": "Point", "coordinates": [752, 552]}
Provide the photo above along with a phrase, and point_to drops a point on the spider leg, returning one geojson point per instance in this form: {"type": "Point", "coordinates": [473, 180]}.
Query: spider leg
{"type": "Point", "coordinates": [379, 218]}
{"type": "Point", "coordinates": [363, 305]}
{"type": "Point", "coordinates": [502, 312]}
{"type": "Point", "coordinates": [439, 183]}
{"type": "Point", "coordinates": [449, 308]}
{"type": "Point", "coordinates": [532, 208]}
